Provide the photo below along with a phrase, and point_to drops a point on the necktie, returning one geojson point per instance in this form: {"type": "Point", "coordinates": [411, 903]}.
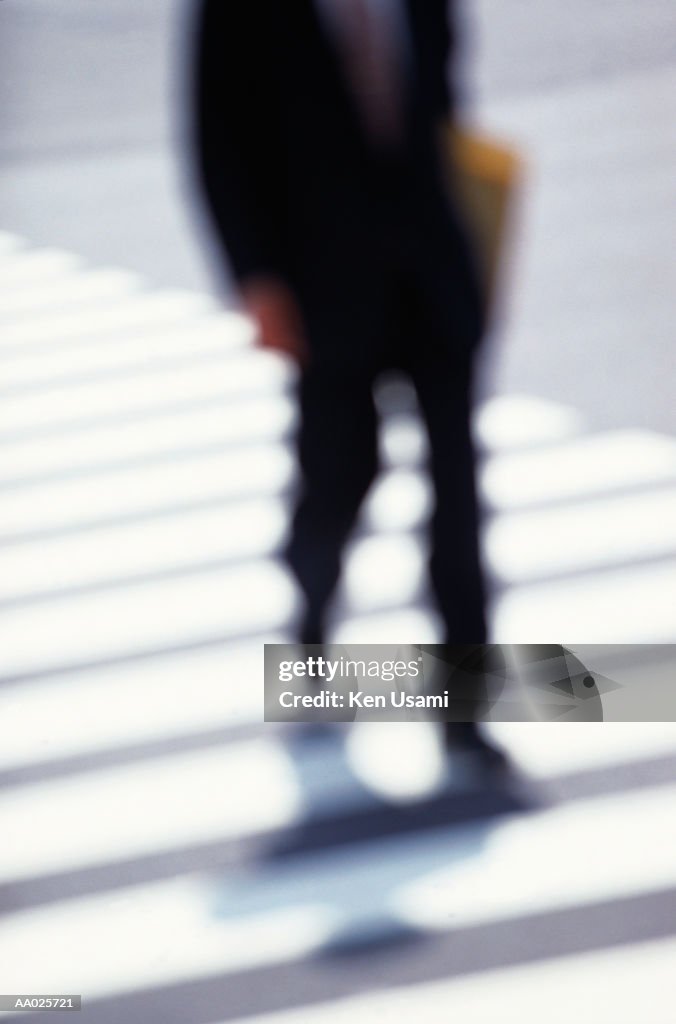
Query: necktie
{"type": "Point", "coordinates": [372, 64]}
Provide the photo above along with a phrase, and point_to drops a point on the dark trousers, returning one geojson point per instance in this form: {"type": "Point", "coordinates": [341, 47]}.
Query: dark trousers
{"type": "Point", "coordinates": [337, 453]}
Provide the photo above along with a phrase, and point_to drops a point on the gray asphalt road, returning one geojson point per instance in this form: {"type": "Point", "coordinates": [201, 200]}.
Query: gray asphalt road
{"type": "Point", "coordinates": [93, 159]}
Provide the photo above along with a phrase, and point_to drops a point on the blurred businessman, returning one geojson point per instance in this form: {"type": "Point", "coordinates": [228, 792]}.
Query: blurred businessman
{"type": "Point", "coordinates": [319, 151]}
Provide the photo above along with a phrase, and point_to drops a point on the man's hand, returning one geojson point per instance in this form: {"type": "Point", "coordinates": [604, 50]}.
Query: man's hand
{"type": "Point", "coordinates": [272, 306]}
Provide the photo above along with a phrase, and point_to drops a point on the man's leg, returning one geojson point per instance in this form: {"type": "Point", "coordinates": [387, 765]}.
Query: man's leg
{"type": "Point", "coordinates": [444, 385]}
{"type": "Point", "coordinates": [337, 453]}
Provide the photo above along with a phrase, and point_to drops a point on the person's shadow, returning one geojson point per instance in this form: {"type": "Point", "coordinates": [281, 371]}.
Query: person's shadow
{"type": "Point", "coordinates": [351, 852]}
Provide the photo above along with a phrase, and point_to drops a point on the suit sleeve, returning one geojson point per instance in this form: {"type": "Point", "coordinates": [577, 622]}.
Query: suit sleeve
{"type": "Point", "coordinates": [233, 120]}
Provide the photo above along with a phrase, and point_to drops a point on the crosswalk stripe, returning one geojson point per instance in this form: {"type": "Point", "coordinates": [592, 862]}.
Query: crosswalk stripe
{"type": "Point", "coordinates": [383, 571]}
{"type": "Point", "coordinates": [551, 749]}
{"type": "Point", "coordinates": [87, 286]}
{"type": "Point", "coordinates": [513, 421]}
{"type": "Point", "coordinates": [24, 267]}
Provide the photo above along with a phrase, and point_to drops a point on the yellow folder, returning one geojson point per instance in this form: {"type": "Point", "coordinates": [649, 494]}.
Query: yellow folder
{"type": "Point", "coordinates": [485, 178]}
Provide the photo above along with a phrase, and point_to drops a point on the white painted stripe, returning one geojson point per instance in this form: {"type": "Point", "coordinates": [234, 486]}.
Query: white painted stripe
{"type": "Point", "coordinates": [624, 845]}
{"type": "Point", "coordinates": [132, 811]}
{"type": "Point", "coordinates": [55, 365]}
{"type": "Point", "coordinates": [623, 606]}
{"type": "Point", "coordinates": [512, 421]}
{"type": "Point", "coordinates": [252, 373]}
{"type": "Point", "coordinates": [148, 936]}
{"type": "Point", "coordinates": [537, 544]}
{"type": "Point", "coordinates": [399, 500]}
{"type": "Point", "coordinates": [28, 267]}
{"type": "Point", "coordinates": [591, 988]}
{"type": "Point", "coordinates": [403, 441]}
{"type": "Point", "coordinates": [554, 748]}
{"type": "Point", "coordinates": [583, 466]}
{"type": "Point", "coordinates": [239, 530]}
{"type": "Point", "coordinates": [90, 286]}
{"type": "Point", "coordinates": [383, 571]}
{"type": "Point", "coordinates": [398, 761]}
{"type": "Point", "coordinates": [147, 310]}
{"type": "Point", "coordinates": [145, 617]}
{"type": "Point", "coordinates": [98, 446]}
{"type": "Point", "coordinates": [221, 476]}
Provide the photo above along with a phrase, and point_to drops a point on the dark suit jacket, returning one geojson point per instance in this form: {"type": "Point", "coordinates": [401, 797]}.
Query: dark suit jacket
{"type": "Point", "coordinates": [295, 187]}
